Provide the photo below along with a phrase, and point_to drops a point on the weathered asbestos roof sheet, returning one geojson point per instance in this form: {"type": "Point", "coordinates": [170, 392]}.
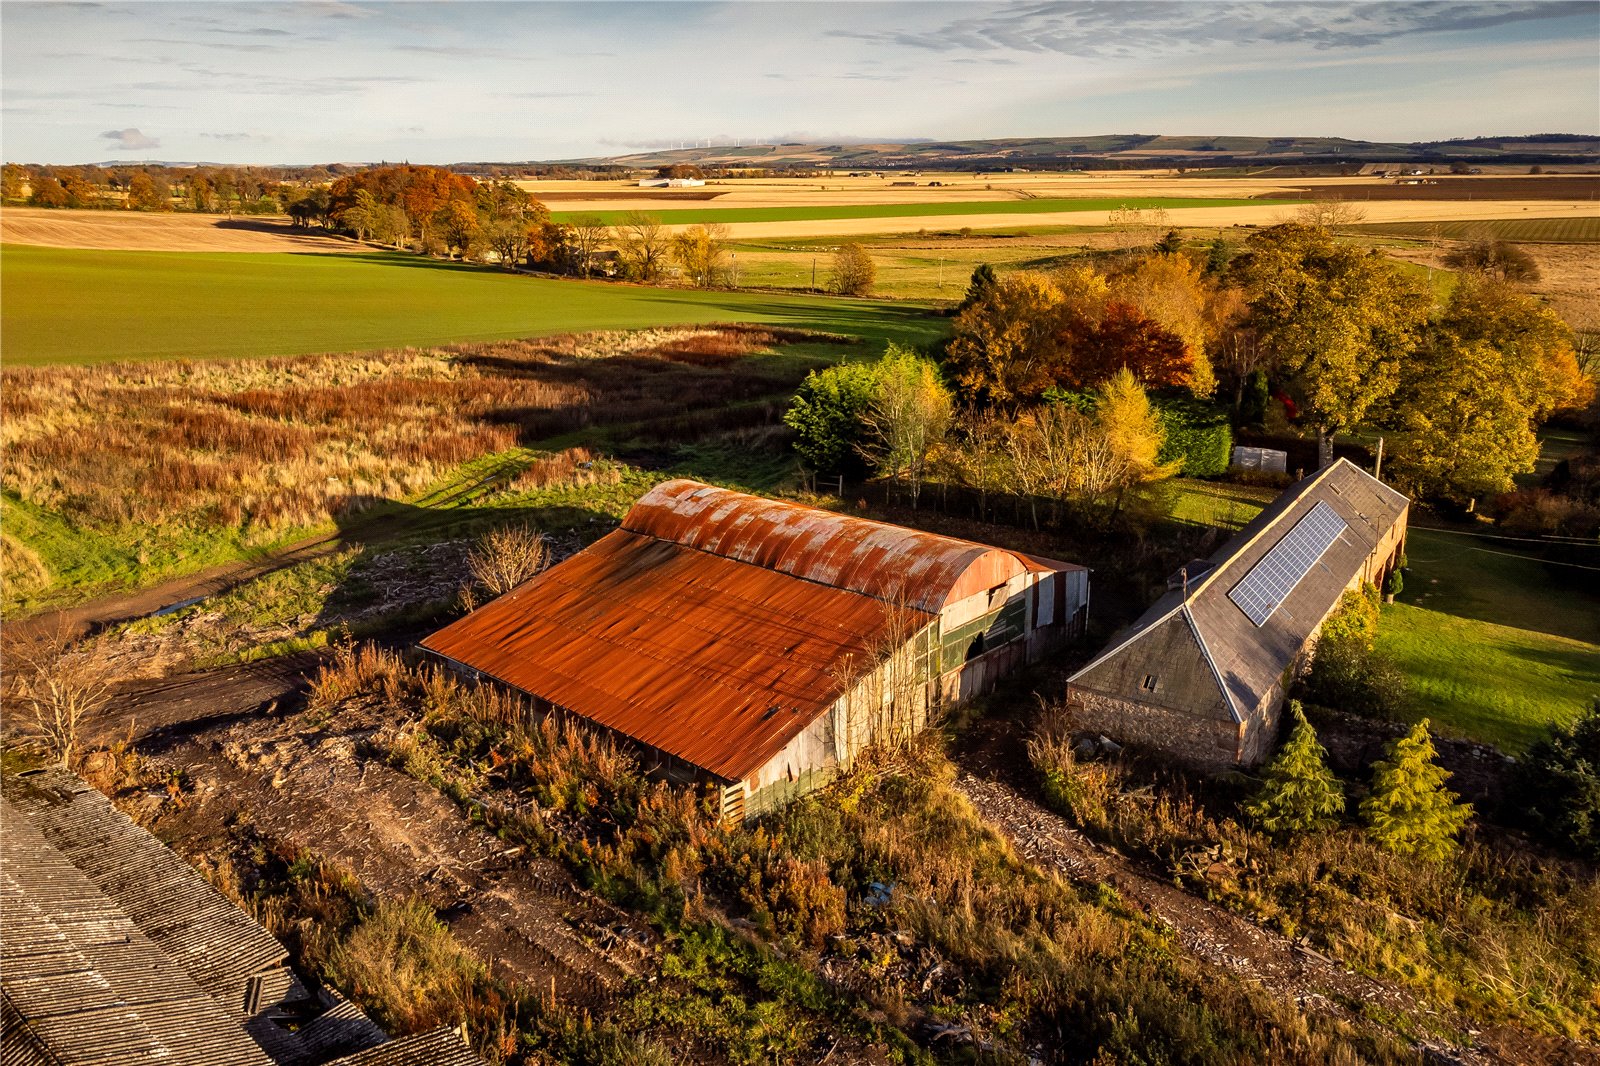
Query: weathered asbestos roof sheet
{"type": "Point", "coordinates": [1248, 660]}
{"type": "Point", "coordinates": [439, 1047]}
{"type": "Point", "coordinates": [715, 661]}
{"type": "Point", "coordinates": [876, 559]}
{"type": "Point", "coordinates": [197, 927]}
{"type": "Point", "coordinates": [85, 982]}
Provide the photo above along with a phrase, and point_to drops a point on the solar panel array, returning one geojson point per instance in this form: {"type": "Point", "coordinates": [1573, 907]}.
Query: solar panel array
{"type": "Point", "coordinates": [1277, 573]}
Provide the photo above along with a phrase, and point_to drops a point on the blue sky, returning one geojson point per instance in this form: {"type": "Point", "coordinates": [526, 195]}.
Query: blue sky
{"type": "Point", "coordinates": [442, 82]}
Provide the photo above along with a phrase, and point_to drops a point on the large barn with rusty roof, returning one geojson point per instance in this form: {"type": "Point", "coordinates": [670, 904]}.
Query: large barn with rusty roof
{"type": "Point", "coordinates": [761, 644]}
{"type": "Point", "coordinates": [1202, 674]}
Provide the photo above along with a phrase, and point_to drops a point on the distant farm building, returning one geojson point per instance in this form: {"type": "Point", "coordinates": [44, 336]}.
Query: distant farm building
{"type": "Point", "coordinates": [760, 645]}
{"type": "Point", "coordinates": [671, 183]}
{"type": "Point", "coordinates": [1202, 674]}
{"type": "Point", "coordinates": [117, 951]}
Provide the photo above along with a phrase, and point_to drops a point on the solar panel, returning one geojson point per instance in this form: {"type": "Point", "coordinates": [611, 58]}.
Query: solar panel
{"type": "Point", "coordinates": [1270, 581]}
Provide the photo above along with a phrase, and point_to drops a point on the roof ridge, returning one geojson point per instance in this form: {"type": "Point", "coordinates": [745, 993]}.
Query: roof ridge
{"type": "Point", "coordinates": [1300, 489]}
{"type": "Point", "coordinates": [839, 515]}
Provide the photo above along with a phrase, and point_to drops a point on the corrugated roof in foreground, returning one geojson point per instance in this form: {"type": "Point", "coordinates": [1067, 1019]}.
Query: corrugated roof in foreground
{"type": "Point", "coordinates": [876, 559]}
{"type": "Point", "coordinates": [716, 661]}
{"type": "Point", "coordinates": [198, 927]}
{"type": "Point", "coordinates": [85, 982]}
{"type": "Point", "coordinates": [438, 1047]}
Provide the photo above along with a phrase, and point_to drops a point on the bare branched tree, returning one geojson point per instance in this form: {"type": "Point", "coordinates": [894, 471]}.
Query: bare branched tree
{"type": "Point", "coordinates": [885, 691]}
{"type": "Point", "coordinates": [643, 244]}
{"type": "Point", "coordinates": [1330, 214]}
{"type": "Point", "coordinates": [58, 688]}
{"type": "Point", "coordinates": [586, 233]}
{"type": "Point", "coordinates": [506, 557]}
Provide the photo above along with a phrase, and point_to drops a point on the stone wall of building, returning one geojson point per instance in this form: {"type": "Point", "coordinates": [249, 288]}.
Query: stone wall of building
{"type": "Point", "coordinates": [1207, 744]}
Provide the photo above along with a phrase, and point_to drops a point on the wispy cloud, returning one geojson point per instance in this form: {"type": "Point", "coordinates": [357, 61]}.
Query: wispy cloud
{"type": "Point", "coordinates": [1128, 28]}
{"type": "Point", "coordinates": [130, 138]}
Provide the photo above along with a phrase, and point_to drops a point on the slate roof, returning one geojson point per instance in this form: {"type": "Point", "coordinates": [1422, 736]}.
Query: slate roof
{"type": "Point", "coordinates": [1245, 660]}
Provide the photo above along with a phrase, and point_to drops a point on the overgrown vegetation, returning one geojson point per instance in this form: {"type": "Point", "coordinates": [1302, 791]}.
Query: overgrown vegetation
{"type": "Point", "coordinates": [188, 463]}
{"type": "Point", "coordinates": [1492, 930]}
{"type": "Point", "coordinates": [882, 911]}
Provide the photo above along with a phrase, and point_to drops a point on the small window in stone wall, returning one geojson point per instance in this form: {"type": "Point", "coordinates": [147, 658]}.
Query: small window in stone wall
{"type": "Point", "coordinates": [1149, 682]}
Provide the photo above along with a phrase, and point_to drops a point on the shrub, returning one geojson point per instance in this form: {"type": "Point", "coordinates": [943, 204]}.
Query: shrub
{"type": "Point", "coordinates": [1198, 437]}
{"type": "Point", "coordinates": [1395, 583]}
{"type": "Point", "coordinates": [406, 968]}
{"type": "Point", "coordinates": [1355, 620]}
{"type": "Point", "coordinates": [826, 415]}
{"type": "Point", "coordinates": [1300, 794]}
{"type": "Point", "coordinates": [1350, 677]}
{"type": "Point", "coordinates": [1556, 786]}
{"type": "Point", "coordinates": [506, 557]}
{"type": "Point", "coordinates": [1410, 812]}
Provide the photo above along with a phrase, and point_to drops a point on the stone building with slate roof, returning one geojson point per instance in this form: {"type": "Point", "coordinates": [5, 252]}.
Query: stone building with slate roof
{"type": "Point", "coordinates": [115, 951]}
{"type": "Point", "coordinates": [1202, 674]}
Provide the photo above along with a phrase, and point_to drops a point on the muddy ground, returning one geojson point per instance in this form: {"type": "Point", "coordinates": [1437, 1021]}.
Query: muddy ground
{"type": "Point", "coordinates": [250, 763]}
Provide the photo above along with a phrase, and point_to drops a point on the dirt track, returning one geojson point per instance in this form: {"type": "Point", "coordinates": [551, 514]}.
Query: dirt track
{"type": "Point", "coordinates": [94, 615]}
{"type": "Point", "coordinates": [137, 231]}
{"type": "Point", "coordinates": [328, 791]}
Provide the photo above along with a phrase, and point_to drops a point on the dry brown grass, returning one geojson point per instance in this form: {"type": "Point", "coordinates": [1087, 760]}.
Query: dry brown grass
{"type": "Point", "coordinates": [265, 447]}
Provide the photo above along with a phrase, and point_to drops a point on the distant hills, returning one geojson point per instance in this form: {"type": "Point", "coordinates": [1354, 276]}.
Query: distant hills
{"type": "Point", "coordinates": [1107, 151]}
{"type": "Point", "coordinates": [1128, 150]}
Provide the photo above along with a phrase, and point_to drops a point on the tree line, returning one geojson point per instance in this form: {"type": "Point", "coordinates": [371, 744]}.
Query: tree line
{"type": "Point", "coordinates": [1045, 368]}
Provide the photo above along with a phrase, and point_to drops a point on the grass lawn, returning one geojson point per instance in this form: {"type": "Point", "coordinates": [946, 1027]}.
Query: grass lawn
{"type": "Point", "coordinates": [81, 306]}
{"type": "Point", "coordinates": [1497, 644]}
{"type": "Point", "coordinates": [690, 215]}
{"type": "Point", "coordinates": [1217, 503]}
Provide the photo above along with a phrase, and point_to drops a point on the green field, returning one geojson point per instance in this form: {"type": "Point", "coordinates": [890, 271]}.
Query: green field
{"type": "Point", "coordinates": [907, 268]}
{"type": "Point", "coordinates": [81, 306]}
{"type": "Point", "coordinates": [686, 216]}
{"type": "Point", "coordinates": [1581, 229]}
{"type": "Point", "coordinates": [1496, 644]}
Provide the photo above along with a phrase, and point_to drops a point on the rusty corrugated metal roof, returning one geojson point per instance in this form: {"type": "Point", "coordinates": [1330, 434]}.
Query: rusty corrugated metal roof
{"type": "Point", "coordinates": [715, 661]}
{"type": "Point", "coordinates": [876, 559]}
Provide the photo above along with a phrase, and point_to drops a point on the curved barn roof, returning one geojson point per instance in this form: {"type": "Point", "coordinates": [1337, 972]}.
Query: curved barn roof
{"type": "Point", "coordinates": [890, 563]}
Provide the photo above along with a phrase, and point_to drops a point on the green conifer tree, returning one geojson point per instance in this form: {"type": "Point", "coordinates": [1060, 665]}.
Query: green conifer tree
{"type": "Point", "coordinates": [1300, 794]}
{"type": "Point", "coordinates": [1410, 812]}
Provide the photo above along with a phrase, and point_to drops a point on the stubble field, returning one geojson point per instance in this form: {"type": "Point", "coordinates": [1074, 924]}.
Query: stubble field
{"type": "Point", "coordinates": [173, 232]}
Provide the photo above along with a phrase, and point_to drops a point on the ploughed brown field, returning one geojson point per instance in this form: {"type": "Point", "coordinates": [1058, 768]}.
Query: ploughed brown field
{"type": "Point", "coordinates": [1485, 187]}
